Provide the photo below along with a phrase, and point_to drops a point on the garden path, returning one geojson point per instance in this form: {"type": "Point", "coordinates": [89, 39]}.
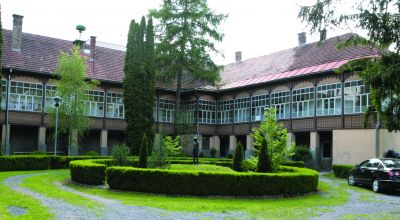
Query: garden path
{"type": "Point", "coordinates": [361, 203]}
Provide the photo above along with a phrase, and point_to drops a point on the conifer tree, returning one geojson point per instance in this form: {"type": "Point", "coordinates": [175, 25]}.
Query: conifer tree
{"type": "Point", "coordinates": [144, 152]}
{"type": "Point", "coordinates": [187, 31]}
{"type": "Point", "coordinates": [237, 163]}
{"type": "Point", "coordinates": [263, 163]}
{"type": "Point", "coordinates": [139, 85]}
{"type": "Point", "coordinates": [1, 50]}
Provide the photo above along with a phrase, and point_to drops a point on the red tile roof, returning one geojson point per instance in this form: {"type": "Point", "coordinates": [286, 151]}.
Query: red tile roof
{"type": "Point", "coordinates": [39, 54]}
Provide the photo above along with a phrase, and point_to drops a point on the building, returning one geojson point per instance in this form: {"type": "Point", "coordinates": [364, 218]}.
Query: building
{"type": "Point", "coordinates": [320, 108]}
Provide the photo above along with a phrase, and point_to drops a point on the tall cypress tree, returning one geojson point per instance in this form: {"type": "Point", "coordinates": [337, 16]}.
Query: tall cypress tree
{"type": "Point", "coordinates": [1, 47]}
{"type": "Point", "coordinates": [139, 85]}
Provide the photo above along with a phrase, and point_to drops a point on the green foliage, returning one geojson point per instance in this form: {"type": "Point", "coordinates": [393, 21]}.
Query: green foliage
{"type": "Point", "coordinates": [230, 155]}
{"type": "Point", "coordinates": [72, 86]}
{"type": "Point", "coordinates": [187, 33]}
{"type": "Point", "coordinates": [91, 153]}
{"type": "Point", "coordinates": [272, 136]}
{"type": "Point", "coordinates": [88, 171]}
{"type": "Point", "coordinates": [342, 170]}
{"type": "Point", "coordinates": [290, 181]}
{"type": "Point", "coordinates": [293, 163]}
{"type": "Point", "coordinates": [158, 158]}
{"type": "Point", "coordinates": [173, 146]}
{"type": "Point", "coordinates": [120, 154]}
{"type": "Point", "coordinates": [139, 84]}
{"type": "Point", "coordinates": [250, 164]}
{"type": "Point", "coordinates": [379, 19]}
{"type": "Point", "coordinates": [9, 163]}
{"type": "Point", "coordinates": [144, 152]}
{"type": "Point", "coordinates": [38, 153]}
{"type": "Point", "coordinates": [213, 152]}
{"type": "Point", "coordinates": [1, 56]}
{"type": "Point", "coordinates": [300, 153]}
{"type": "Point", "coordinates": [201, 154]}
{"type": "Point", "coordinates": [237, 163]}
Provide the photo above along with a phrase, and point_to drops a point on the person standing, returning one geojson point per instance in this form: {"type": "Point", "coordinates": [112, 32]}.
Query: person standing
{"type": "Point", "coordinates": [195, 152]}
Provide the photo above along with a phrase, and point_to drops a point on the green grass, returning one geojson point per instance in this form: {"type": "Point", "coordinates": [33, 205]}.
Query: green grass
{"type": "Point", "coordinates": [200, 167]}
{"type": "Point", "coordinates": [8, 197]}
{"type": "Point", "coordinates": [45, 184]}
{"type": "Point", "coordinates": [271, 208]}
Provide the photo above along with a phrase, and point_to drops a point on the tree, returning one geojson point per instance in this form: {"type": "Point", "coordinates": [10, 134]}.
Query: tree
{"type": "Point", "coordinates": [139, 84]}
{"type": "Point", "coordinates": [381, 20]}
{"type": "Point", "coordinates": [1, 54]}
{"type": "Point", "coordinates": [72, 87]}
{"type": "Point", "coordinates": [144, 149]}
{"type": "Point", "coordinates": [237, 163]}
{"type": "Point", "coordinates": [187, 33]}
{"type": "Point", "coordinates": [270, 138]}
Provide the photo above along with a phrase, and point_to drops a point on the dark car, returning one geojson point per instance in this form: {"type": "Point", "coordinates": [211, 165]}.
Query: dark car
{"type": "Point", "coordinates": [381, 174]}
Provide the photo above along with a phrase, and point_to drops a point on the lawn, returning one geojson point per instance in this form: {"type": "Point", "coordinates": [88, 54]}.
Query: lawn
{"type": "Point", "coordinates": [47, 183]}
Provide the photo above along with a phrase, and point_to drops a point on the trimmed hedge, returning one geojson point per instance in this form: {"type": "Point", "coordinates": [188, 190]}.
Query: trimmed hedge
{"type": "Point", "coordinates": [39, 162]}
{"type": "Point", "coordinates": [342, 170]}
{"type": "Point", "coordinates": [90, 172]}
{"type": "Point", "coordinates": [289, 181]}
{"type": "Point", "coordinates": [28, 162]}
{"type": "Point", "coordinates": [290, 163]}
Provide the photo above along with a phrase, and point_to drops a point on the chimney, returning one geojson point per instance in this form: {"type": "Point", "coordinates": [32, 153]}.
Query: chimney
{"type": "Point", "coordinates": [302, 38]}
{"type": "Point", "coordinates": [16, 39]}
{"type": "Point", "coordinates": [92, 48]}
{"type": "Point", "coordinates": [238, 57]}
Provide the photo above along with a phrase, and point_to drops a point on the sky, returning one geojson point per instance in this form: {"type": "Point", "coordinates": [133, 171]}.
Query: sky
{"type": "Point", "coordinates": [254, 27]}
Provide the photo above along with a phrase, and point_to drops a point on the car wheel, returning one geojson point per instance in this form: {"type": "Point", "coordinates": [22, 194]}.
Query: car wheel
{"type": "Point", "coordinates": [376, 186]}
{"type": "Point", "coordinates": [351, 180]}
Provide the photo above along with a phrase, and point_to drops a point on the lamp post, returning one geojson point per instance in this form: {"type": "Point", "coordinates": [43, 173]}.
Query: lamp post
{"type": "Point", "coordinates": [57, 101]}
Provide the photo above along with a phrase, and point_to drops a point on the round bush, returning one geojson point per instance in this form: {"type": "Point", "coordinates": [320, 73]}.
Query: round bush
{"type": "Point", "coordinates": [290, 181]}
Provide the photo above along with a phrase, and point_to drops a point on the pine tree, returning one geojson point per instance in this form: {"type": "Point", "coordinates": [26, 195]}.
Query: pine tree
{"type": "Point", "coordinates": [237, 163]}
{"type": "Point", "coordinates": [1, 51]}
{"type": "Point", "coordinates": [144, 149]}
{"type": "Point", "coordinates": [188, 31]}
{"type": "Point", "coordinates": [139, 85]}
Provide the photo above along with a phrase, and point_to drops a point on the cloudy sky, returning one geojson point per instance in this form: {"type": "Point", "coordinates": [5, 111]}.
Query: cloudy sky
{"type": "Point", "coordinates": [255, 27]}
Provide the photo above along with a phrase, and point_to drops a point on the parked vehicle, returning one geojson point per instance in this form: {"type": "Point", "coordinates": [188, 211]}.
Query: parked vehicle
{"type": "Point", "coordinates": [392, 154]}
{"type": "Point", "coordinates": [380, 174]}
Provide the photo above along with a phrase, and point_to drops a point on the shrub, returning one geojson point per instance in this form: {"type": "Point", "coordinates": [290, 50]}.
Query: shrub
{"type": "Point", "coordinates": [201, 154]}
{"type": "Point", "coordinates": [34, 162]}
{"type": "Point", "coordinates": [274, 136]}
{"type": "Point", "coordinates": [237, 163]}
{"type": "Point", "coordinates": [290, 181]}
{"type": "Point", "coordinates": [38, 153]}
{"type": "Point", "coordinates": [91, 153]}
{"type": "Point", "coordinates": [90, 172]}
{"type": "Point", "coordinates": [263, 163]}
{"type": "Point", "coordinates": [230, 156]}
{"type": "Point", "coordinates": [300, 153]}
{"type": "Point", "coordinates": [173, 146]}
{"type": "Point", "coordinates": [143, 152]}
{"type": "Point", "coordinates": [213, 152]}
{"type": "Point", "coordinates": [158, 158]}
{"type": "Point", "coordinates": [293, 163]}
{"type": "Point", "coordinates": [120, 154]}
{"type": "Point", "coordinates": [342, 170]}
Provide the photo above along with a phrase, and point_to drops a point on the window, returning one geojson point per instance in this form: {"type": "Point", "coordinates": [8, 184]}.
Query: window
{"type": "Point", "coordinates": [242, 110]}
{"type": "Point", "coordinates": [166, 110]}
{"type": "Point", "coordinates": [26, 96]}
{"type": "Point", "coordinates": [3, 93]}
{"type": "Point", "coordinates": [303, 102]}
{"type": "Point", "coordinates": [115, 105]}
{"type": "Point", "coordinates": [189, 110]}
{"type": "Point", "coordinates": [224, 109]}
{"type": "Point", "coordinates": [207, 112]}
{"type": "Point", "coordinates": [50, 94]}
{"type": "Point", "coordinates": [281, 101]}
{"type": "Point", "coordinates": [356, 97]}
{"type": "Point", "coordinates": [329, 99]}
{"type": "Point", "coordinates": [95, 103]}
{"type": "Point", "coordinates": [258, 105]}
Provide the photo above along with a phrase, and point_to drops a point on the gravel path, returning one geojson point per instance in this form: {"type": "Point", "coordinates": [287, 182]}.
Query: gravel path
{"type": "Point", "coordinates": [362, 203]}
{"type": "Point", "coordinates": [112, 209]}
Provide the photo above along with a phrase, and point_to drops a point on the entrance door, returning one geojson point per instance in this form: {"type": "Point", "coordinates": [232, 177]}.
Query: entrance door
{"type": "Point", "coordinates": [326, 155]}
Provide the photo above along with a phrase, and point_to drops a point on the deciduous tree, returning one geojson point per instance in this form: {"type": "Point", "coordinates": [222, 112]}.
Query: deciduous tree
{"type": "Point", "coordinates": [380, 19]}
